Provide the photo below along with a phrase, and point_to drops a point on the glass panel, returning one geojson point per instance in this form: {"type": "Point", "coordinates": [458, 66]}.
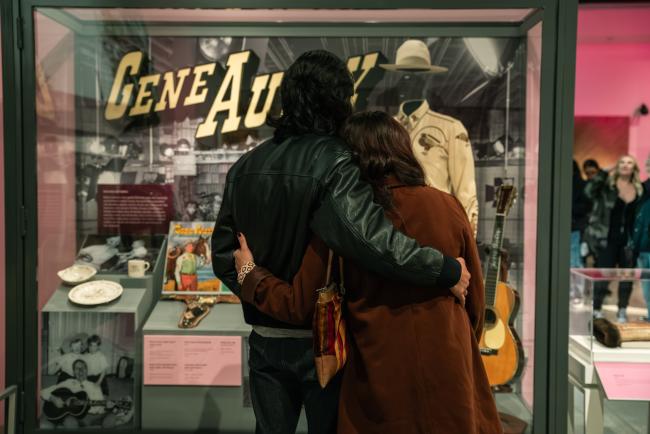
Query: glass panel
{"type": "Point", "coordinates": [303, 15]}
{"type": "Point", "coordinates": [529, 289]}
{"type": "Point", "coordinates": [596, 341]}
{"type": "Point", "coordinates": [605, 303]}
{"type": "Point", "coordinates": [137, 130]}
{"type": "Point", "coordinates": [3, 331]}
{"type": "Point", "coordinates": [55, 108]}
{"type": "Point", "coordinates": [584, 334]}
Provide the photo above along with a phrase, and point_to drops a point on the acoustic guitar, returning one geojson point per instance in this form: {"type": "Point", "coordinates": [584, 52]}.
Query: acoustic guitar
{"type": "Point", "coordinates": [77, 405]}
{"type": "Point", "coordinates": [500, 346]}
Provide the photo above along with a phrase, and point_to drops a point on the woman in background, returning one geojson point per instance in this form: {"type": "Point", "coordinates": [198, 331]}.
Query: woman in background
{"type": "Point", "coordinates": [616, 198]}
{"type": "Point", "coordinates": [414, 364]}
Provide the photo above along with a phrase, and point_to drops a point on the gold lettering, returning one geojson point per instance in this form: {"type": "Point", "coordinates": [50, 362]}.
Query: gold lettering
{"type": "Point", "coordinates": [255, 119]}
{"type": "Point", "coordinates": [369, 62]}
{"type": "Point", "coordinates": [180, 230]}
{"type": "Point", "coordinates": [131, 63]}
{"type": "Point", "coordinates": [232, 81]}
{"type": "Point", "coordinates": [170, 92]}
{"type": "Point", "coordinates": [199, 92]}
{"type": "Point", "coordinates": [141, 107]}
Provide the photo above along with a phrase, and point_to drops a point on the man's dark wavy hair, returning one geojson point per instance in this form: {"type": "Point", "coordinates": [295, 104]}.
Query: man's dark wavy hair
{"type": "Point", "coordinates": [315, 95]}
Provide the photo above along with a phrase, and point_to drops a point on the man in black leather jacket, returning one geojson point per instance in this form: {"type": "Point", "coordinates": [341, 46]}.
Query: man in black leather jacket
{"type": "Point", "coordinates": [301, 182]}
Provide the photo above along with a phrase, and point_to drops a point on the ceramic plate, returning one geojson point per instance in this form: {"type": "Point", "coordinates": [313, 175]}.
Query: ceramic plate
{"type": "Point", "coordinates": [95, 292]}
{"type": "Point", "coordinates": [77, 274]}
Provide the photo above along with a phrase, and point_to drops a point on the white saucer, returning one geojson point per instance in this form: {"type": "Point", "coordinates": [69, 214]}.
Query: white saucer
{"type": "Point", "coordinates": [95, 292]}
{"type": "Point", "coordinates": [76, 274]}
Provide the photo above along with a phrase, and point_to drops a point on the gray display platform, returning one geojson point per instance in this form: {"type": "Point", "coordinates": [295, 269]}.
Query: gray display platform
{"type": "Point", "coordinates": [192, 408]}
{"type": "Point", "coordinates": [223, 320]}
{"type": "Point", "coordinates": [135, 299]}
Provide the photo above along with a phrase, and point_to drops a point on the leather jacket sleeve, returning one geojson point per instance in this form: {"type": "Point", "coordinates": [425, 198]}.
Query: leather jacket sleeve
{"type": "Point", "coordinates": [354, 226]}
{"type": "Point", "coordinates": [224, 243]}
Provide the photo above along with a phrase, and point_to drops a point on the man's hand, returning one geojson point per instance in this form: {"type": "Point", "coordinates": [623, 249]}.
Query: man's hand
{"type": "Point", "coordinates": [58, 402]}
{"type": "Point", "coordinates": [460, 289]}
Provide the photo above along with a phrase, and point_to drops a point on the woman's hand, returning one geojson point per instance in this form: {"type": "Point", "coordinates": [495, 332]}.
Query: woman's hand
{"type": "Point", "coordinates": [242, 255]}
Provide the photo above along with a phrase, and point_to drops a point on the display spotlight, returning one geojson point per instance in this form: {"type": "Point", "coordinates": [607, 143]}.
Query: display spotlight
{"type": "Point", "coordinates": [486, 53]}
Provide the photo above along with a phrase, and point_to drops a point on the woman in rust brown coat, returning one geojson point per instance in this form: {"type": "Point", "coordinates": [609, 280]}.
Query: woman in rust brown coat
{"type": "Point", "coordinates": [414, 364]}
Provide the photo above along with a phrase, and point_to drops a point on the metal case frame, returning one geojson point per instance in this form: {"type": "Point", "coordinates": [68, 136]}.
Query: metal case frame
{"type": "Point", "coordinates": [556, 135]}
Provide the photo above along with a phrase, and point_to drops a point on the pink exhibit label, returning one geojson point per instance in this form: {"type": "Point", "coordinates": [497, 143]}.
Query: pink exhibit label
{"type": "Point", "coordinates": [193, 360]}
{"type": "Point", "coordinates": [625, 381]}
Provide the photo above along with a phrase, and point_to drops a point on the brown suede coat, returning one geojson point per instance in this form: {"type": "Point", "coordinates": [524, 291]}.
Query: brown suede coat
{"type": "Point", "coordinates": [414, 363]}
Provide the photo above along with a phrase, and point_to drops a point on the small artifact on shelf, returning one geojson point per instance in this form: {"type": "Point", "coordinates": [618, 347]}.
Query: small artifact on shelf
{"type": "Point", "coordinates": [76, 274]}
{"type": "Point", "coordinates": [197, 308]}
{"type": "Point", "coordinates": [614, 334]}
{"type": "Point", "coordinates": [95, 292]}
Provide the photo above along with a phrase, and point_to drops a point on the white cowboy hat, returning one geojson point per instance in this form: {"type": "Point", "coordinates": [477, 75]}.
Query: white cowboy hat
{"type": "Point", "coordinates": [413, 56]}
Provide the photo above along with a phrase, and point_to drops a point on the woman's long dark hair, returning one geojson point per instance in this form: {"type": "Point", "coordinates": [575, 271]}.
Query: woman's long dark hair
{"type": "Point", "coordinates": [315, 95]}
{"type": "Point", "coordinates": [382, 148]}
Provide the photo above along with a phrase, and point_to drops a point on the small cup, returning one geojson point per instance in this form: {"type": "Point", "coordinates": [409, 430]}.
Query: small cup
{"type": "Point", "coordinates": [137, 267]}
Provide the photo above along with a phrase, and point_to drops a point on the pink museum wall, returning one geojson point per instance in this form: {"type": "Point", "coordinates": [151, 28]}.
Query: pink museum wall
{"type": "Point", "coordinates": [613, 70]}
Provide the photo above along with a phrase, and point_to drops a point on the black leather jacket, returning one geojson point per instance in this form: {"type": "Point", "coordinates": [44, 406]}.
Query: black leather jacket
{"type": "Point", "coordinates": [281, 193]}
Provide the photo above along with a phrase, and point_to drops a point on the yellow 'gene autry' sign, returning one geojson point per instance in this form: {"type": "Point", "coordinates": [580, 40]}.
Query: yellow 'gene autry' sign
{"type": "Point", "coordinates": [125, 100]}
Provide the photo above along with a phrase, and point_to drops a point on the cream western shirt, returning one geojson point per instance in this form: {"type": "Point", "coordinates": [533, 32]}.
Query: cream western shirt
{"type": "Point", "coordinates": [441, 145]}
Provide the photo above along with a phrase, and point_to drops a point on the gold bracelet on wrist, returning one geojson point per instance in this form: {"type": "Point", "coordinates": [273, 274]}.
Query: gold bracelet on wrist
{"type": "Point", "coordinates": [244, 270]}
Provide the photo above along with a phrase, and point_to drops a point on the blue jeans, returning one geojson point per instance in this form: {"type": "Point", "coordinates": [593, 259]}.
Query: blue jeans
{"type": "Point", "coordinates": [644, 262]}
{"type": "Point", "coordinates": [283, 380]}
{"type": "Point", "coordinates": [576, 257]}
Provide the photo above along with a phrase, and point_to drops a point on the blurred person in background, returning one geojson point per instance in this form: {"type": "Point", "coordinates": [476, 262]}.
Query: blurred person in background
{"type": "Point", "coordinates": [591, 168]}
{"type": "Point", "coordinates": [641, 243]}
{"type": "Point", "coordinates": [616, 197]}
{"type": "Point", "coordinates": [580, 208]}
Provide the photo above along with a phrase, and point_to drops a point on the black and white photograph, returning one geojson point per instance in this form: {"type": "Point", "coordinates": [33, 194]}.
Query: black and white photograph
{"type": "Point", "coordinates": [466, 93]}
{"type": "Point", "coordinates": [111, 253]}
{"type": "Point", "coordinates": [87, 370]}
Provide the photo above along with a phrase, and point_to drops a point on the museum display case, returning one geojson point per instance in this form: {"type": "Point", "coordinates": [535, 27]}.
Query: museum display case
{"type": "Point", "coordinates": [137, 112]}
{"type": "Point", "coordinates": [607, 356]}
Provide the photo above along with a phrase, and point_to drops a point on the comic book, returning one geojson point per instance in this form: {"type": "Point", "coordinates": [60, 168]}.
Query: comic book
{"type": "Point", "coordinates": [188, 262]}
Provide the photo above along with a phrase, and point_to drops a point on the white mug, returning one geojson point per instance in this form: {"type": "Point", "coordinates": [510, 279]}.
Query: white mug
{"type": "Point", "coordinates": [137, 267]}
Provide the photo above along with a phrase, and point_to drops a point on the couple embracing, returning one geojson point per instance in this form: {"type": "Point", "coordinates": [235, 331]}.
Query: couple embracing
{"type": "Point", "coordinates": [330, 179]}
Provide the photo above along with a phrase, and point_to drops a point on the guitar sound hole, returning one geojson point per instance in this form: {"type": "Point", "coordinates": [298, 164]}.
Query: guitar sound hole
{"type": "Point", "coordinates": [490, 317]}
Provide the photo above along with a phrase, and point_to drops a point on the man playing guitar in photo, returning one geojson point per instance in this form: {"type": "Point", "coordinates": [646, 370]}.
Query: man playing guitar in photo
{"type": "Point", "coordinates": [96, 415]}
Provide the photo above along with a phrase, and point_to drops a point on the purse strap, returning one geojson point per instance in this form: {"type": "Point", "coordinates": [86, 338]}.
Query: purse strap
{"type": "Point", "coordinates": [328, 276]}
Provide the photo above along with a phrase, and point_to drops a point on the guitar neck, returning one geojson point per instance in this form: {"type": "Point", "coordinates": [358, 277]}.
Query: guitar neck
{"type": "Point", "coordinates": [494, 261]}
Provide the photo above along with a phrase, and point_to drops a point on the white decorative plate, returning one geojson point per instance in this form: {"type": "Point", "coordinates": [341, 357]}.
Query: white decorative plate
{"type": "Point", "coordinates": [95, 292]}
{"type": "Point", "coordinates": [76, 274]}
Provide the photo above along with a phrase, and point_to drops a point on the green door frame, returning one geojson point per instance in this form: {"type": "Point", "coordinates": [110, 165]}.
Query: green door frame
{"type": "Point", "coordinates": [14, 221]}
{"type": "Point", "coordinates": [556, 128]}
